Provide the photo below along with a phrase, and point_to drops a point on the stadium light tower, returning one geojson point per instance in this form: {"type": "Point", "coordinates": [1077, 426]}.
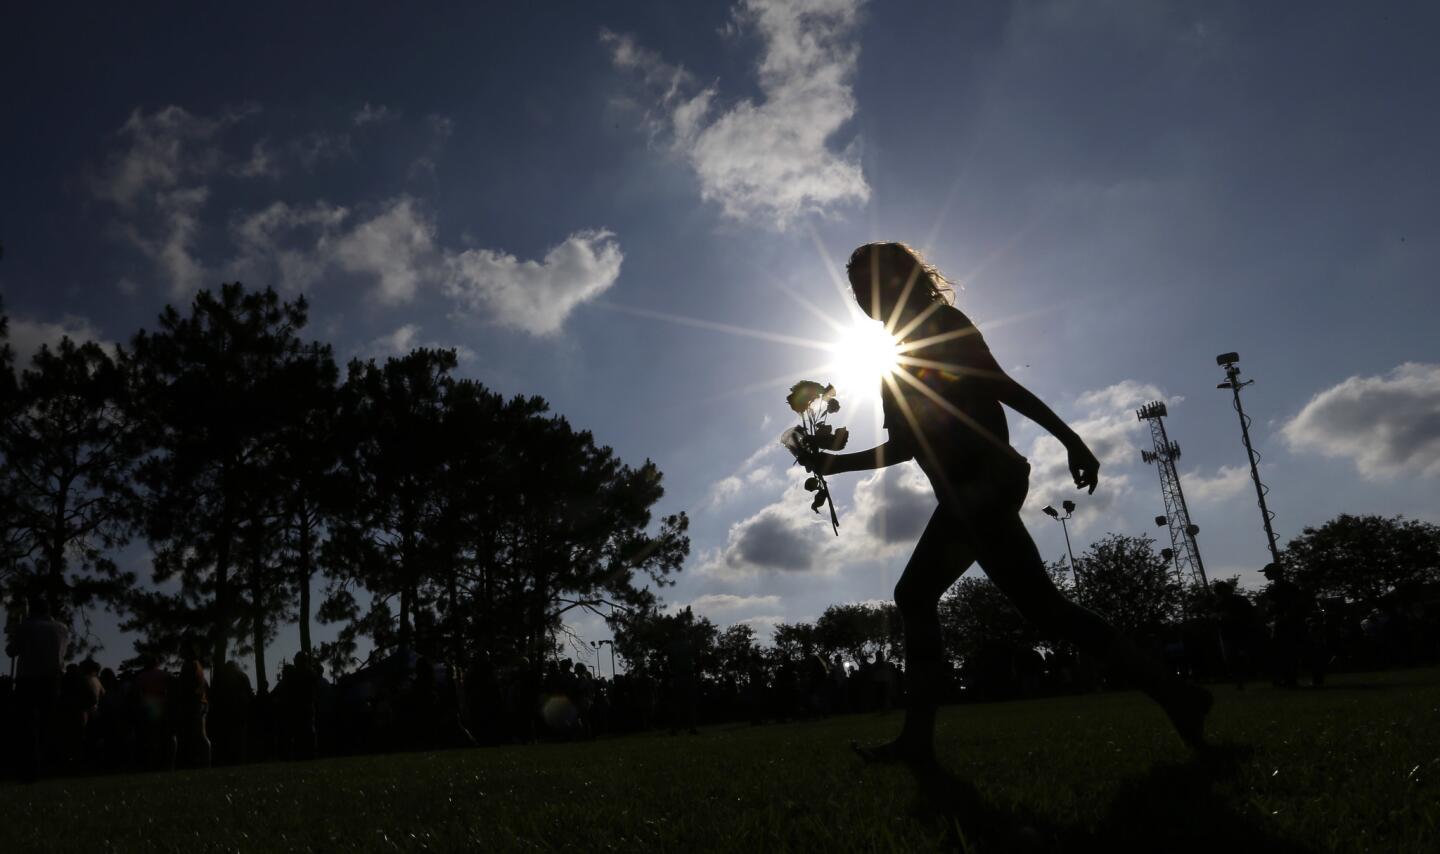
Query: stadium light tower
{"type": "Point", "coordinates": [598, 644]}
{"type": "Point", "coordinates": [1232, 382]}
{"type": "Point", "coordinates": [1177, 516]}
{"type": "Point", "coordinates": [1050, 511]}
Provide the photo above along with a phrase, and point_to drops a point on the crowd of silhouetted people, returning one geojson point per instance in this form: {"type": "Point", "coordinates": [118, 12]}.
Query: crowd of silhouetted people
{"type": "Point", "coordinates": [80, 717]}
{"type": "Point", "coordinates": [1283, 635]}
{"type": "Point", "coordinates": [60, 716]}
{"type": "Point", "coordinates": [1292, 637]}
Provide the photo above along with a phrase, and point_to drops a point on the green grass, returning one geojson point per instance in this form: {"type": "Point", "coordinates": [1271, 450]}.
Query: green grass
{"type": "Point", "coordinates": [1353, 767]}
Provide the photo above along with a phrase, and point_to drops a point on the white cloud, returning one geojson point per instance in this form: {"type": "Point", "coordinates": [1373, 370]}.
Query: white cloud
{"type": "Point", "coordinates": [268, 251]}
{"type": "Point", "coordinates": [769, 159]}
{"type": "Point", "coordinates": [172, 250]}
{"type": "Point", "coordinates": [759, 474]}
{"type": "Point", "coordinates": [26, 336]}
{"type": "Point", "coordinates": [779, 537]}
{"type": "Point", "coordinates": [396, 247]}
{"type": "Point", "coordinates": [724, 490]}
{"type": "Point", "coordinates": [1387, 426]}
{"type": "Point", "coordinates": [711, 603]}
{"type": "Point", "coordinates": [892, 506]}
{"type": "Point", "coordinates": [535, 296]}
{"type": "Point", "coordinates": [1227, 482]}
{"type": "Point", "coordinates": [764, 625]}
{"type": "Point", "coordinates": [157, 181]}
{"type": "Point", "coordinates": [160, 151]}
{"type": "Point", "coordinates": [1107, 424]}
{"type": "Point", "coordinates": [295, 246]}
{"type": "Point", "coordinates": [406, 337]}
{"type": "Point", "coordinates": [261, 163]}
{"type": "Point", "coordinates": [397, 342]}
{"type": "Point", "coordinates": [1126, 394]}
{"type": "Point", "coordinates": [369, 114]}
{"type": "Point", "coordinates": [782, 536]}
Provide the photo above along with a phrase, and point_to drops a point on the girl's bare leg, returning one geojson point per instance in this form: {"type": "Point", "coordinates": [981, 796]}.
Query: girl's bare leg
{"type": "Point", "coordinates": [940, 557]}
{"type": "Point", "coordinates": [1008, 556]}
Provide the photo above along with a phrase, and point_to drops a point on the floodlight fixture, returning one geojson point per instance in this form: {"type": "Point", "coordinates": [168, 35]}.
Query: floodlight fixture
{"type": "Point", "coordinates": [1161, 521]}
{"type": "Point", "coordinates": [1049, 510]}
{"type": "Point", "coordinates": [1167, 554]}
{"type": "Point", "coordinates": [597, 644]}
{"type": "Point", "coordinates": [1154, 409]}
{"type": "Point", "coordinates": [1192, 530]}
{"type": "Point", "coordinates": [1227, 359]}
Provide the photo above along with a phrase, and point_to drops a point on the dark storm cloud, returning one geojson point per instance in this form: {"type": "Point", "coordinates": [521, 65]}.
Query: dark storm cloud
{"type": "Point", "coordinates": [772, 540]}
{"type": "Point", "coordinates": [896, 504]}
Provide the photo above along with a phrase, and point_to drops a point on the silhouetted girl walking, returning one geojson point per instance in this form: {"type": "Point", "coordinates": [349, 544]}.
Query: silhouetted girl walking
{"type": "Point", "coordinates": [942, 409]}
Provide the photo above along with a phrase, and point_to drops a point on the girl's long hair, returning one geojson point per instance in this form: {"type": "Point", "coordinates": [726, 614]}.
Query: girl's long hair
{"type": "Point", "coordinates": [905, 260]}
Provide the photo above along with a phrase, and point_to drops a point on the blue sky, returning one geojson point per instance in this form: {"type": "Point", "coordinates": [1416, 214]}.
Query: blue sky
{"type": "Point", "coordinates": [637, 210]}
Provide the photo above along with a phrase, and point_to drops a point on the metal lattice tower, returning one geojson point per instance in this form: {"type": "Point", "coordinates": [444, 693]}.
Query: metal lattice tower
{"type": "Point", "coordinates": [1185, 550]}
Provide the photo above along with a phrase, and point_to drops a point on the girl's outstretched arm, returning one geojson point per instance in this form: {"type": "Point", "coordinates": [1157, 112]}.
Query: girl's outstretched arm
{"type": "Point", "coordinates": [1083, 465]}
{"type": "Point", "coordinates": [888, 454]}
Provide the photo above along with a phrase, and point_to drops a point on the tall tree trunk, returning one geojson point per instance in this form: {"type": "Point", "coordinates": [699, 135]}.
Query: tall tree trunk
{"type": "Point", "coordinates": [307, 570]}
{"type": "Point", "coordinates": [407, 566]}
{"type": "Point", "coordinates": [262, 682]}
{"type": "Point", "coordinates": [538, 620]}
{"type": "Point", "coordinates": [55, 575]}
{"type": "Point", "coordinates": [452, 593]}
{"type": "Point", "coordinates": [220, 626]}
{"type": "Point", "coordinates": [55, 551]}
{"type": "Point", "coordinates": [405, 615]}
{"type": "Point", "coordinates": [487, 608]}
{"type": "Point", "coordinates": [257, 620]}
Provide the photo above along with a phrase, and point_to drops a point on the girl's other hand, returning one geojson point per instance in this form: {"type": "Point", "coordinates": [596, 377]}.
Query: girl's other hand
{"type": "Point", "coordinates": [1084, 467]}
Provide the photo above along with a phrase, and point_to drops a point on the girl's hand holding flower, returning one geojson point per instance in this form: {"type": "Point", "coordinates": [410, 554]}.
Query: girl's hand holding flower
{"type": "Point", "coordinates": [809, 440]}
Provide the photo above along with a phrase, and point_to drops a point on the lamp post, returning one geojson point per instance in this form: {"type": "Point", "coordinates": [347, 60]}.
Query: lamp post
{"type": "Point", "coordinates": [1054, 514]}
{"type": "Point", "coordinates": [1232, 382]}
{"type": "Point", "coordinates": [597, 645]}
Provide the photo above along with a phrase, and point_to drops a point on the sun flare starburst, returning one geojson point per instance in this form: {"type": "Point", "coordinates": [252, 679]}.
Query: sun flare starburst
{"type": "Point", "coordinates": [864, 354]}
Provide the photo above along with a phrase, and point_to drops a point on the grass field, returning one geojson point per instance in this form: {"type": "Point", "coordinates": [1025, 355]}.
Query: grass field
{"type": "Point", "coordinates": [1352, 767]}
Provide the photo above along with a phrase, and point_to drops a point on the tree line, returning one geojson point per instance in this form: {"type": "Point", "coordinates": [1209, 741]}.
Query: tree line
{"type": "Point", "coordinates": [425, 510]}
{"type": "Point", "coordinates": [1354, 569]}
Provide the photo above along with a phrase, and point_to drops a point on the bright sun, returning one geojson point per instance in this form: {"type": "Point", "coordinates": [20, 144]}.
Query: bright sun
{"type": "Point", "coordinates": [864, 354]}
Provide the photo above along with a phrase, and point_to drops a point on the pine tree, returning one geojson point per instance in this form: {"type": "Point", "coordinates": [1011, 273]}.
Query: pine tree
{"type": "Point", "coordinates": [70, 450]}
{"type": "Point", "coordinates": [393, 471]}
{"type": "Point", "coordinates": [206, 395]}
{"type": "Point", "coordinates": [307, 471]}
{"type": "Point", "coordinates": [11, 543]}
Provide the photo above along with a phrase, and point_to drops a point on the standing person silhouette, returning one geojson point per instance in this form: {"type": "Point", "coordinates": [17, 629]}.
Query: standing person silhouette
{"type": "Point", "coordinates": [942, 408]}
{"type": "Point", "coordinates": [41, 643]}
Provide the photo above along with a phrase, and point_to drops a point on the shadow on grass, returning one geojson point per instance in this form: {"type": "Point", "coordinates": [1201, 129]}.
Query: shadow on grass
{"type": "Point", "coordinates": [1172, 807]}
